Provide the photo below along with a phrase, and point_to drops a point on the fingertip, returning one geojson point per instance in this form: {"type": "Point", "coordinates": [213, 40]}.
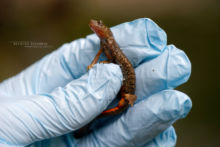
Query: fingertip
{"type": "Point", "coordinates": [156, 36]}
{"type": "Point", "coordinates": [174, 105]}
{"type": "Point", "coordinates": [178, 67]}
{"type": "Point", "coordinates": [185, 102]}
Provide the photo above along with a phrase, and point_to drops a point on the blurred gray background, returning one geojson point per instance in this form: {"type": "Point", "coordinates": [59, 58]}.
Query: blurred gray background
{"type": "Point", "coordinates": [192, 26]}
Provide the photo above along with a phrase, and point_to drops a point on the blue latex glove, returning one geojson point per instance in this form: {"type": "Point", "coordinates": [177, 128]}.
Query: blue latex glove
{"type": "Point", "coordinates": [46, 102]}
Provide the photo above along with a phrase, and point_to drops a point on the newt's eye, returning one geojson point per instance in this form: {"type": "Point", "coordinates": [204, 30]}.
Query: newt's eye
{"type": "Point", "coordinates": [100, 22]}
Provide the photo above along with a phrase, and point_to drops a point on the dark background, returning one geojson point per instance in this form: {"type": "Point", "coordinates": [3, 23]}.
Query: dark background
{"type": "Point", "coordinates": [192, 25]}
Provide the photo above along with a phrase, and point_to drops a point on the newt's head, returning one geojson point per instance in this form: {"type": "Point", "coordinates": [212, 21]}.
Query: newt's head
{"type": "Point", "coordinates": [99, 28]}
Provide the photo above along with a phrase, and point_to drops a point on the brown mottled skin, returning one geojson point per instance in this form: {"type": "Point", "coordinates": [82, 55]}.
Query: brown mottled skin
{"type": "Point", "coordinates": [115, 55]}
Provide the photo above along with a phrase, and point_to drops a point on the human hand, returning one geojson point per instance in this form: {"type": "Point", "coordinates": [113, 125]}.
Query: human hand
{"type": "Point", "coordinates": [56, 95]}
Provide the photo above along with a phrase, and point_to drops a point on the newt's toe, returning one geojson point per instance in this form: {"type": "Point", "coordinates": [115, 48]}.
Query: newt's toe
{"type": "Point", "coordinates": [131, 98]}
{"type": "Point", "coordinates": [90, 66]}
{"type": "Point", "coordinates": [104, 62]}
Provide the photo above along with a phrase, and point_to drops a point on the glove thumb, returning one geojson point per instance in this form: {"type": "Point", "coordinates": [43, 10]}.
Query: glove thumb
{"type": "Point", "coordinates": [64, 110]}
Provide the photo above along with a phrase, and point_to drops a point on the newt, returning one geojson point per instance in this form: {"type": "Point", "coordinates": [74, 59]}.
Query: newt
{"type": "Point", "coordinates": [114, 54]}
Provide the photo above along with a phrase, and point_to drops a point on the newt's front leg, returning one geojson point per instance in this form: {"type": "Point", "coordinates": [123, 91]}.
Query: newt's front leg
{"type": "Point", "coordinates": [95, 60]}
{"type": "Point", "coordinates": [107, 53]}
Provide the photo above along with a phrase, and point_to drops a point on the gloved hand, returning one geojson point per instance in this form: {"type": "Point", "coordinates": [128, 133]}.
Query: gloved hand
{"type": "Point", "coordinates": [46, 102]}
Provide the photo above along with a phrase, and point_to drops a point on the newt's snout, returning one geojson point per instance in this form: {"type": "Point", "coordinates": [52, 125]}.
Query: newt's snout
{"type": "Point", "coordinates": [99, 28]}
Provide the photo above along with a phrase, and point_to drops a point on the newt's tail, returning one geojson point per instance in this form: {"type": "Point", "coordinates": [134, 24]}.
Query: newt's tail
{"type": "Point", "coordinates": [122, 105]}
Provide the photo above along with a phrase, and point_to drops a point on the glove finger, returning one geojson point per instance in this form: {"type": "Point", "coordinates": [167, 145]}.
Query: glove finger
{"type": "Point", "coordinates": [166, 139]}
{"type": "Point", "coordinates": [169, 70]}
{"type": "Point", "coordinates": [64, 110]}
{"type": "Point", "coordinates": [140, 40]}
{"type": "Point", "coordinates": [142, 122]}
